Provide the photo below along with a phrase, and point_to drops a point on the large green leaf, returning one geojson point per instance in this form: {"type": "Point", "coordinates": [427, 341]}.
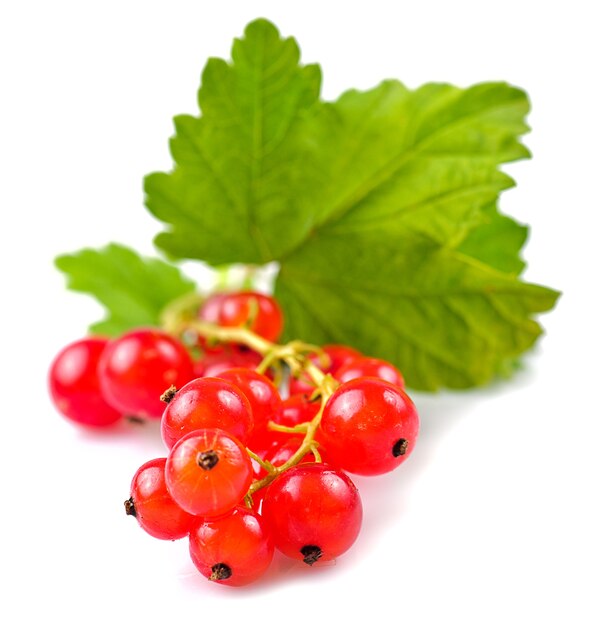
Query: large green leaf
{"type": "Point", "coordinates": [380, 208]}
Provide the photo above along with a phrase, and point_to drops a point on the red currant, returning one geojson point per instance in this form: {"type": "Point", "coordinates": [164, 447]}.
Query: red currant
{"type": "Point", "coordinates": [281, 454]}
{"type": "Point", "coordinates": [75, 387]}
{"type": "Point", "coordinates": [208, 472]}
{"type": "Point", "coordinates": [207, 403]}
{"type": "Point", "coordinates": [151, 504]}
{"type": "Point", "coordinates": [370, 367]}
{"type": "Point", "coordinates": [233, 550]}
{"type": "Point", "coordinates": [337, 355]}
{"type": "Point", "coordinates": [261, 393]}
{"type": "Point", "coordinates": [314, 512]}
{"type": "Point", "coordinates": [260, 312]}
{"type": "Point", "coordinates": [295, 410]}
{"type": "Point", "coordinates": [211, 308]}
{"type": "Point", "coordinates": [369, 426]}
{"type": "Point", "coordinates": [138, 367]}
{"type": "Point", "coordinates": [216, 363]}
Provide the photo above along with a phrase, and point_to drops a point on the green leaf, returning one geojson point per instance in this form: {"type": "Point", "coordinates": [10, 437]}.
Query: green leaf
{"type": "Point", "coordinates": [133, 289]}
{"type": "Point", "coordinates": [446, 319]}
{"type": "Point", "coordinates": [229, 198]}
{"type": "Point", "coordinates": [380, 209]}
{"type": "Point", "coordinates": [497, 241]}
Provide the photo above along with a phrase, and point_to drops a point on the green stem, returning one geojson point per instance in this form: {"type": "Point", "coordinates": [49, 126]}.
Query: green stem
{"type": "Point", "coordinates": [179, 319]}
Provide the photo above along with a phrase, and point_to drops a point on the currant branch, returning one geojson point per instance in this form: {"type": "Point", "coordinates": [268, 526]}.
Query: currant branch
{"type": "Point", "coordinates": [179, 319]}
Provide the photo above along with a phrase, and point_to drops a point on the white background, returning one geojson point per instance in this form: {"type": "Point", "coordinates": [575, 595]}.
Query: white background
{"type": "Point", "coordinates": [502, 515]}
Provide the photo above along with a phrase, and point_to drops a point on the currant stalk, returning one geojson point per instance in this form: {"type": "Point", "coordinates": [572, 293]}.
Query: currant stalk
{"type": "Point", "coordinates": [180, 319]}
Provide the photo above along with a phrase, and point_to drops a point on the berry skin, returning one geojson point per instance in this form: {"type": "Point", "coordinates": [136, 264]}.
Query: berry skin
{"type": "Point", "coordinates": [297, 409]}
{"type": "Point", "coordinates": [369, 426]}
{"type": "Point", "coordinates": [314, 512]}
{"type": "Point", "coordinates": [211, 308]}
{"type": "Point", "coordinates": [233, 550]}
{"type": "Point", "coordinates": [150, 503]}
{"type": "Point", "coordinates": [261, 313]}
{"type": "Point", "coordinates": [208, 472]}
{"type": "Point", "coordinates": [261, 393]}
{"type": "Point", "coordinates": [370, 367]}
{"type": "Point", "coordinates": [138, 367]}
{"type": "Point", "coordinates": [207, 403]}
{"type": "Point", "coordinates": [219, 362]}
{"type": "Point", "coordinates": [75, 387]}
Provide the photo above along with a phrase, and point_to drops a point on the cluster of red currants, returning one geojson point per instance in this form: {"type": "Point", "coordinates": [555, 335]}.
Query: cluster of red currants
{"type": "Point", "coordinates": [252, 465]}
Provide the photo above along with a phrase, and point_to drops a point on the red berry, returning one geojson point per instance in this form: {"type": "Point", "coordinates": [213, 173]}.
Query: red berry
{"type": "Point", "coordinates": [337, 357]}
{"type": "Point", "coordinates": [314, 512]}
{"type": "Point", "coordinates": [211, 307]}
{"type": "Point", "coordinates": [261, 393]}
{"type": "Point", "coordinates": [138, 367]}
{"type": "Point", "coordinates": [151, 504]}
{"type": "Point", "coordinates": [75, 387]}
{"type": "Point", "coordinates": [340, 356]}
{"type": "Point", "coordinates": [216, 363]}
{"type": "Point", "coordinates": [294, 410]}
{"type": "Point", "coordinates": [281, 454]}
{"type": "Point", "coordinates": [370, 367]}
{"type": "Point", "coordinates": [260, 312]}
{"type": "Point", "coordinates": [369, 426]}
{"type": "Point", "coordinates": [297, 409]}
{"type": "Point", "coordinates": [208, 472]}
{"type": "Point", "coordinates": [207, 403]}
{"type": "Point", "coordinates": [233, 550]}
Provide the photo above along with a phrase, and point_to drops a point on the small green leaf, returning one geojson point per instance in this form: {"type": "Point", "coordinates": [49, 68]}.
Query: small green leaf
{"type": "Point", "coordinates": [133, 289]}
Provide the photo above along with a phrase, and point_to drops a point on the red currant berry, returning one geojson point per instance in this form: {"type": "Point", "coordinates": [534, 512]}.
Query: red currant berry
{"type": "Point", "coordinates": [260, 312]}
{"type": "Point", "coordinates": [369, 426]}
{"type": "Point", "coordinates": [208, 472]}
{"type": "Point", "coordinates": [261, 393]}
{"type": "Point", "coordinates": [295, 410]}
{"type": "Point", "coordinates": [207, 403]}
{"type": "Point", "coordinates": [281, 454]}
{"type": "Point", "coordinates": [151, 504]}
{"type": "Point", "coordinates": [75, 387]}
{"type": "Point", "coordinates": [370, 367]}
{"type": "Point", "coordinates": [211, 308]}
{"type": "Point", "coordinates": [215, 364]}
{"type": "Point", "coordinates": [314, 512]}
{"type": "Point", "coordinates": [337, 357]}
{"type": "Point", "coordinates": [138, 367]}
{"type": "Point", "coordinates": [233, 550]}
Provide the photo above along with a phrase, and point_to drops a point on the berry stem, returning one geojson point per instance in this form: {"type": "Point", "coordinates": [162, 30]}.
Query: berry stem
{"type": "Point", "coordinates": [180, 319]}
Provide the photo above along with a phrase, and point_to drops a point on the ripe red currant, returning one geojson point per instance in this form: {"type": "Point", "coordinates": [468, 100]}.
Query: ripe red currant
{"type": "Point", "coordinates": [369, 426]}
{"type": "Point", "coordinates": [260, 312]}
{"type": "Point", "coordinates": [75, 387]}
{"type": "Point", "coordinates": [207, 403]}
{"type": "Point", "coordinates": [370, 367]}
{"type": "Point", "coordinates": [261, 393]}
{"type": "Point", "coordinates": [138, 367]}
{"type": "Point", "coordinates": [337, 357]}
{"type": "Point", "coordinates": [314, 512]}
{"type": "Point", "coordinates": [151, 504]}
{"type": "Point", "coordinates": [235, 549]}
{"type": "Point", "coordinates": [216, 363]}
{"type": "Point", "coordinates": [208, 472]}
